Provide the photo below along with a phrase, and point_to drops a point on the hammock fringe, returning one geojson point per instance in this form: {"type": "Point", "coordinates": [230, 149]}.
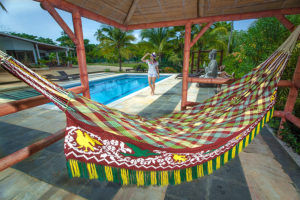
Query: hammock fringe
{"type": "Point", "coordinates": [170, 177]}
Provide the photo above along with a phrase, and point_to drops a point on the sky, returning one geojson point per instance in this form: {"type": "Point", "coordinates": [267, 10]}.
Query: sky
{"type": "Point", "coordinates": [26, 16]}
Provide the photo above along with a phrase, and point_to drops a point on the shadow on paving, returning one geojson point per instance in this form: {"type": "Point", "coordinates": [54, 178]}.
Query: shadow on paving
{"type": "Point", "coordinates": [49, 165]}
{"type": "Point", "coordinates": [288, 164]}
{"type": "Point", "coordinates": [165, 104]}
{"type": "Point", "coordinates": [205, 93]}
{"type": "Point", "coordinates": [228, 182]}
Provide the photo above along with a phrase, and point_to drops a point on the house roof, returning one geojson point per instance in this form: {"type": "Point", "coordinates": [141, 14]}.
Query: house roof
{"type": "Point", "coordinates": [136, 14]}
{"type": "Point", "coordinates": [41, 45]}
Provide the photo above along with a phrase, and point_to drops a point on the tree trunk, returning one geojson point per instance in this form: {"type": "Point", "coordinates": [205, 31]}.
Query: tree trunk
{"type": "Point", "coordinates": [160, 55]}
{"type": "Point", "coordinates": [230, 36]}
{"type": "Point", "coordinates": [120, 62]}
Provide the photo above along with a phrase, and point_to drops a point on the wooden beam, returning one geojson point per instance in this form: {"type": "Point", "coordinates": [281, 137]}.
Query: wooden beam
{"type": "Point", "coordinates": [211, 80]}
{"type": "Point", "coordinates": [186, 60]}
{"type": "Point", "coordinates": [16, 106]}
{"type": "Point", "coordinates": [81, 52]}
{"type": "Point", "coordinates": [286, 22]}
{"type": "Point", "coordinates": [285, 83]}
{"type": "Point", "coordinates": [131, 11]}
{"type": "Point", "coordinates": [26, 152]}
{"type": "Point", "coordinates": [228, 17]}
{"type": "Point", "coordinates": [203, 30]}
{"type": "Point", "coordinates": [288, 116]}
{"type": "Point", "coordinates": [278, 113]}
{"type": "Point", "coordinates": [47, 6]}
{"type": "Point", "coordinates": [190, 103]}
{"type": "Point", "coordinates": [69, 7]}
{"type": "Point", "coordinates": [292, 118]}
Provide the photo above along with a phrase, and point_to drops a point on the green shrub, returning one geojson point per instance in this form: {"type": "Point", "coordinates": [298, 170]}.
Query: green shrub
{"type": "Point", "coordinates": [107, 70]}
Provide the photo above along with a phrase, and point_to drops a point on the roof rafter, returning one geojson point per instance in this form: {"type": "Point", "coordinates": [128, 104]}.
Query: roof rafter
{"type": "Point", "coordinates": [290, 26]}
{"type": "Point", "coordinates": [47, 6]}
{"type": "Point", "coordinates": [131, 11]}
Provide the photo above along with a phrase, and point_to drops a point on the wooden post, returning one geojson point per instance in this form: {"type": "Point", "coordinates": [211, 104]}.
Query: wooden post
{"type": "Point", "coordinates": [186, 58]}
{"type": "Point", "coordinates": [81, 52]}
{"type": "Point", "coordinates": [198, 62]}
{"type": "Point", "coordinates": [192, 63]}
{"type": "Point", "coordinates": [292, 97]}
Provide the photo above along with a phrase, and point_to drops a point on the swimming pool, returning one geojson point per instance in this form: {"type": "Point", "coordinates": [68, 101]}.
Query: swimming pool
{"type": "Point", "coordinates": [107, 90]}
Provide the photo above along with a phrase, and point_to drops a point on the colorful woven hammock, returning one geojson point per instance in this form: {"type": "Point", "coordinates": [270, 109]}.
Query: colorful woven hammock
{"type": "Point", "coordinates": [106, 144]}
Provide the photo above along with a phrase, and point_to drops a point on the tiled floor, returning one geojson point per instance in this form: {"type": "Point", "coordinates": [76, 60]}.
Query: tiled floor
{"type": "Point", "coordinates": [262, 171]}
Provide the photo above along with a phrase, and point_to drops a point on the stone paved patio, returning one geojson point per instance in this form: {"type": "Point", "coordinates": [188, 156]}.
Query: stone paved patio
{"type": "Point", "coordinates": [262, 171]}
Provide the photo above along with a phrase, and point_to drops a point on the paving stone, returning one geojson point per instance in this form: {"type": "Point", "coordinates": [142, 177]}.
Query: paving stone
{"type": "Point", "coordinates": [221, 189]}
{"type": "Point", "coordinates": [265, 176]}
{"type": "Point", "coordinates": [196, 189]}
{"type": "Point", "coordinates": [95, 189]}
{"type": "Point", "coordinates": [231, 172]}
{"type": "Point", "coordinates": [288, 164]}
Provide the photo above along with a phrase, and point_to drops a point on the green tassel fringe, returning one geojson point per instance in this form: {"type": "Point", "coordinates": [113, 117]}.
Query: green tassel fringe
{"type": "Point", "coordinates": [172, 177]}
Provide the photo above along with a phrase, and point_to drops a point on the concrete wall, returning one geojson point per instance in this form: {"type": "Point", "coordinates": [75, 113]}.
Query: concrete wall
{"type": "Point", "coordinates": [13, 44]}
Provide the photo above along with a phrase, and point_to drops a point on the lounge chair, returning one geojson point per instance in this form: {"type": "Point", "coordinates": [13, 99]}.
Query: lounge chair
{"type": "Point", "coordinates": [69, 76]}
{"type": "Point", "coordinates": [56, 78]}
{"type": "Point", "coordinates": [128, 70]}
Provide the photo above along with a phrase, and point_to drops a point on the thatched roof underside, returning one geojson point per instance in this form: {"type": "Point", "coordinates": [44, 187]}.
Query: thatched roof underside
{"type": "Point", "coordinates": [130, 12]}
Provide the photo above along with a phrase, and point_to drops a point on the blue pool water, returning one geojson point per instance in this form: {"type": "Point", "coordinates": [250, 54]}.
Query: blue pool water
{"type": "Point", "coordinates": [111, 89]}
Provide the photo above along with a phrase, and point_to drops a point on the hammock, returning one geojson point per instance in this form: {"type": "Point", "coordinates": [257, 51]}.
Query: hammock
{"type": "Point", "coordinates": [106, 144]}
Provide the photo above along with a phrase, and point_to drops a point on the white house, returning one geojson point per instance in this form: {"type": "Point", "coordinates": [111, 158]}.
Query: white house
{"type": "Point", "coordinates": [26, 50]}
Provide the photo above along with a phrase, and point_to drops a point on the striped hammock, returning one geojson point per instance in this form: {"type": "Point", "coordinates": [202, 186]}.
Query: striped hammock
{"type": "Point", "coordinates": [106, 144]}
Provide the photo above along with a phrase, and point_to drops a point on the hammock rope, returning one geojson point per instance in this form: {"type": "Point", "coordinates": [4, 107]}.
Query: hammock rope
{"type": "Point", "coordinates": [107, 144]}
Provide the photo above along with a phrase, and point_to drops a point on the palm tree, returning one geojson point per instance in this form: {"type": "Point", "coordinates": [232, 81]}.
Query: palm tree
{"type": "Point", "coordinates": [2, 7]}
{"type": "Point", "coordinates": [230, 36]}
{"type": "Point", "coordinates": [157, 38]}
{"type": "Point", "coordinates": [114, 43]}
{"type": "Point", "coordinates": [215, 37]}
